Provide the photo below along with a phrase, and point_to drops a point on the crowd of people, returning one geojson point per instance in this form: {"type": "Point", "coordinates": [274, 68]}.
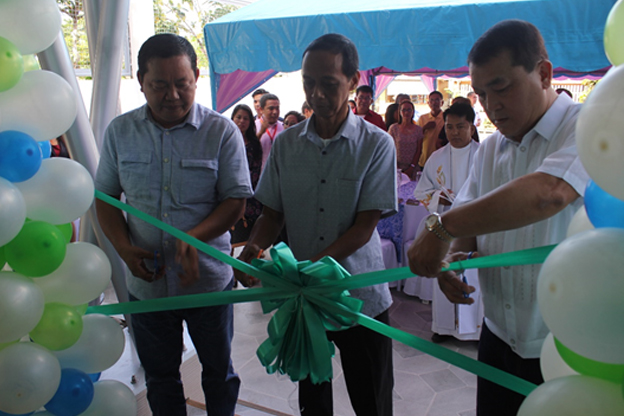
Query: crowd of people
{"type": "Point", "coordinates": [327, 176]}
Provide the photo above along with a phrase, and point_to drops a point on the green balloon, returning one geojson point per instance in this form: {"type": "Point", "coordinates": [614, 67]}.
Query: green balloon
{"type": "Point", "coordinates": [37, 250]}
{"type": "Point", "coordinates": [67, 231]}
{"type": "Point", "coordinates": [11, 64]}
{"type": "Point", "coordinates": [60, 327]}
{"type": "Point", "coordinates": [2, 258]}
{"type": "Point", "coordinates": [614, 34]}
{"type": "Point", "coordinates": [586, 366]}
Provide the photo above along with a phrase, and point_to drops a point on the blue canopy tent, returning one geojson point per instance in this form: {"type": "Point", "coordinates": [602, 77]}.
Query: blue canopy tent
{"type": "Point", "coordinates": [248, 46]}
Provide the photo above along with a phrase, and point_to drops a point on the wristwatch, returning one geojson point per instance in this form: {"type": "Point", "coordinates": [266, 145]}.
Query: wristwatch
{"type": "Point", "coordinates": [433, 223]}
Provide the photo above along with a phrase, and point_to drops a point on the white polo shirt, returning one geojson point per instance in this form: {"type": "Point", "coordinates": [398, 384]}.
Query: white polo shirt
{"type": "Point", "coordinates": [510, 293]}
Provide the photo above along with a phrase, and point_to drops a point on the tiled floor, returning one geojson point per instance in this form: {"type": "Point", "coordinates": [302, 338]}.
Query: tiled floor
{"type": "Point", "coordinates": [423, 385]}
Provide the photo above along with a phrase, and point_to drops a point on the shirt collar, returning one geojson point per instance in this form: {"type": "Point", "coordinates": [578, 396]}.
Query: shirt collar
{"type": "Point", "coordinates": [193, 117]}
{"type": "Point", "coordinates": [552, 119]}
{"type": "Point", "coordinates": [347, 130]}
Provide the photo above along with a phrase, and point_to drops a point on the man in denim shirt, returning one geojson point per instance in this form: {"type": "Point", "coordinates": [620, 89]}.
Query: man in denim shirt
{"type": "Point", "coordinates": [185, 165]}
{"type": "Point", "coordinates": [329, 180]}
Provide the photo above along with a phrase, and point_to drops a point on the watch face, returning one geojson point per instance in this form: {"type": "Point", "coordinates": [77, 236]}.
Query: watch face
{"type": "Point", "coordinates": [431, 221]}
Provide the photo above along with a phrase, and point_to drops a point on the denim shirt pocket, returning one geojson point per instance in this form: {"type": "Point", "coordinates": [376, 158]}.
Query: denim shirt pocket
{"type": "Point", "coordinates": [197, 181]}
{"type": "Point", "coordinates": [135, 174]}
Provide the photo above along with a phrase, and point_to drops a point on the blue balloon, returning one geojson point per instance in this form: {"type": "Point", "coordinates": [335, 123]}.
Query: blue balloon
{"type": "Point", "coordinates": [20, 156]}
{"type": "Point", "coordinates": [46, 149]}
{"type": "Point", "coordinates": [96, 376]}
{"type": "Point", "coordinates": [603, 209]}
{"type": "Point", "coordinates": [74, 394]}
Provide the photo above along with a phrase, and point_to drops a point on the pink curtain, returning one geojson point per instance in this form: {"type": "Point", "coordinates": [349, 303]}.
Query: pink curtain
{"type": "Point", "coordinates": [234, 86]}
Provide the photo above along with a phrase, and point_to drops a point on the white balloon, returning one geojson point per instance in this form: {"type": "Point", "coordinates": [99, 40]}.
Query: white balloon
{"type": "Point", "coordinates": [111, 398]}
{"type": "Point", "coordinates": [551, 363]}
{"type": "Point", "coordinates": [32, 25]}
{"type": "Point", "coordinates": [21, 306]}
{"type": "Point", "coordinates": [83, 275]}
{"type": "Point", "coordinates": [579, 223]}
{"type": "Point", "coordinates": [29, 377]}
{"type": "Point", "coordinates": [574, 396]}
{"type": "Point", "coordinates": [42, 105]}
{"type": "Point", "coordinates": [101, 344]}
{"type": "Point", "coordinates": [12, 211]}
{"type": "Point", "coordinates": [580, 290]}
{"type": "Point", "coordinates": [61, 191]}
{"type": "Point", "coordinates": [599, 138]}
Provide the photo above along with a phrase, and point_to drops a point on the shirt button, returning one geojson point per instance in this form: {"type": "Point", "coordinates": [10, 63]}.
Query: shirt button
{"type": "Point", "coordinates": [522, 149]}
{"type": "Point", "coordinates": [167, 133]}
{"type": "Point", "coordinates": [166, 188]}
{"type": "Point", "coordinates": [323, 181]}
{"type": "Point", "coordinates": [322, 209]}
{"type": "Point", "coordinates": [166, 160]}
{"type": "Point", "coordinates": [513, 341]}
{"type": "Point", "coordinates": [322, 238]}
{"type": "Point", "coordinates": [507, 306]}
{"type": "Point", "coordinates": [165, 215]}
{"type": "Point", "coordinates": [166, 243]}
{"type": "Point", "coordinates": [169, 268]}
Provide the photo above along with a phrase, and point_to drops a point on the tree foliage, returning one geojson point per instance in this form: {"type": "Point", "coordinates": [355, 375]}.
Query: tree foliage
{"type": "Point", "coordinates": [183, 17]}
{"type": "Point", "coordinates": [75, 32]}
{"type": "Point", "coordinates": [187, 18]}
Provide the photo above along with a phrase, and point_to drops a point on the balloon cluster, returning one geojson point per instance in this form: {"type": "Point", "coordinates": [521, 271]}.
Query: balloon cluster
{"type": "Point", "coordinates": [581, 286]}
{"type": "Point", "coordinates": [50, 354]}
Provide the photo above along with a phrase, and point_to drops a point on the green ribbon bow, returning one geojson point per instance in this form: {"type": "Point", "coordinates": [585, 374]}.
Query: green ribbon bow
{"type": "Point", "coordinates": [297, 344]}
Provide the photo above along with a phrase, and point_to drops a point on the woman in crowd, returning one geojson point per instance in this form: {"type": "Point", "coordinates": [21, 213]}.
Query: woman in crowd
{"type": "Point", "coordinates": [408, 138]}
{"type": "Point", "coordinates": [392, 115]}
{"type": "Point", "coordinates": [244, 119]}
{"type": "Point", "coordinates": [293, 117]}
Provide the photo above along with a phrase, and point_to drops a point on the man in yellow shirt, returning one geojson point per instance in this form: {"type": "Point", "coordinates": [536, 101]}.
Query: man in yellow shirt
{"type": "Point", "coordinates": [431, 123]}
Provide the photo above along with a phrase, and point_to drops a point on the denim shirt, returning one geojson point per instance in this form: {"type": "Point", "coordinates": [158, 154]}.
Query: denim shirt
{"type": "Point", "coordinates": [178, 175]}
{"type": "Point", "coordinates": [321, 188]}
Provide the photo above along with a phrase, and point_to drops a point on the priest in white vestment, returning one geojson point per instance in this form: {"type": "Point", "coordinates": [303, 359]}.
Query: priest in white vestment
{"type": "Point", "coordinates": [443, 176]}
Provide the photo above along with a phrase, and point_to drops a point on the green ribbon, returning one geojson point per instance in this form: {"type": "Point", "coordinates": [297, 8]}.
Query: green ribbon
{"type": "Point", "coordinates": [311, 298]}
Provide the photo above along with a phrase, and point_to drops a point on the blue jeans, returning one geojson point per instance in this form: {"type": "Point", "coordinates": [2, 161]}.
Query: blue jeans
{"type": "Point", "coordinates": [159, 343]}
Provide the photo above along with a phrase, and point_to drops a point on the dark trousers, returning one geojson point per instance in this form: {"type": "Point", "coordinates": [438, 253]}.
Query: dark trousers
{"type": "Point", "coordinates": [495, 400]}
{"type": "Point", "coordinates": [366, 358]}
{"type": "Point", "coordinates": [159, 343]}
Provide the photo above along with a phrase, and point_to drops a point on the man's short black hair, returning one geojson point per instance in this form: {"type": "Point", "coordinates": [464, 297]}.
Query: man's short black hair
{"type": "Point", "coordinates": [337, 44]}
{"type": "Point", "coordinates": [436, 93]}
{"type": "Point", "coordinates": [461, 110]}
{"type": "Point", "coordinates": [365, 89]}
{"type": "Point", "coordinates": [521, 39]}
{"type": "Point", "coordinates": [165, 45]}
{"type": "Point", "coordinates": [267, 97]}
{"type": "Point", "coordinates": [259, 91]}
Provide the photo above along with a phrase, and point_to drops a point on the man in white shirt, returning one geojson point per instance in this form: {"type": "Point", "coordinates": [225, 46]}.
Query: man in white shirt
{"type": "Point", "coordinates": [268, 126]}
{"type": "Point", "coordinates": [473, 99]}
{"type": "Point", "coordinates": [443, 176]}
{"type": "Point", "coordinates": [525, 185]}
